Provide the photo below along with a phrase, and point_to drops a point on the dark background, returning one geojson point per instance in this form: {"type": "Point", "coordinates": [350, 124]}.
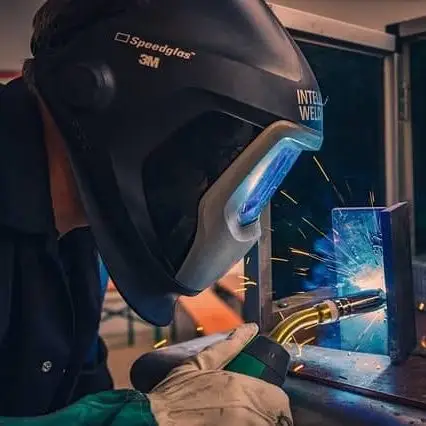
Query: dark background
{"type": "Point", "coordinates": [352, 156]}
{"type": "Point", "coordinates": [418, 84]}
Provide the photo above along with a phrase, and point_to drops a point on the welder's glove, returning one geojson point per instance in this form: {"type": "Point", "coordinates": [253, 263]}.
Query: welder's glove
{"type": "Point", "coordinates": [199, 392]}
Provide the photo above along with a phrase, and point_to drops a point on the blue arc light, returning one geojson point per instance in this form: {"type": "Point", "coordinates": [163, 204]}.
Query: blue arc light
{"type": "Point", "coordinates": [261, 184]}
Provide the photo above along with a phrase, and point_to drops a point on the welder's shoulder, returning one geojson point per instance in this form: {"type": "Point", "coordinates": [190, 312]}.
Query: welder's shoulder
{"type": "Point", "coordinates": [24, 186]}
{"type": "Point", "coordinates": [17, 109]}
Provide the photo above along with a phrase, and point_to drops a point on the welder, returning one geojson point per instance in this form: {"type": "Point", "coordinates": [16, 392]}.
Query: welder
{"type": "Point", "coordinates": [153, 133]}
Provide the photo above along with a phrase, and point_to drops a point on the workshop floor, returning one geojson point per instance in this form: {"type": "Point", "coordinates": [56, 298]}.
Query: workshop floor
{"type": "Point", "coordinates": [121, 356]}
{"type": "Point", "coordinates": [421, 328]}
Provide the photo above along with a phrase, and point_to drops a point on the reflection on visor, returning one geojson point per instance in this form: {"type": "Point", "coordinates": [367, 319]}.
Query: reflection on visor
{"type": "Point", "coordinates": [261, 184]}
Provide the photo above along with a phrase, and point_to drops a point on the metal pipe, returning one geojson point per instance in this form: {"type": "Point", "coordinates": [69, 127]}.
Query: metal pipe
{"type": "Point", "coordinates": [327, 312]}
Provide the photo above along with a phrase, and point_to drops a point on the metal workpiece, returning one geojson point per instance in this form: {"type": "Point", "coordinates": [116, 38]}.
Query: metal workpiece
{"type": "Point", "coordinates": [369, 375]}
{"type": "Point", "coordinates": [315, 404]}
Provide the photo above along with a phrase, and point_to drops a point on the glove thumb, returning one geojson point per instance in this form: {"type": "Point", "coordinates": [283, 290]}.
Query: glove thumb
{"type": "Point", "coordinates": [220, 354]}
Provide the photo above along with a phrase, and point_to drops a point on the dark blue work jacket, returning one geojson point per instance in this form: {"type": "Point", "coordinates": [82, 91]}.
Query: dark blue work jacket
{"type": "Point", "coordinates": [50, 292]}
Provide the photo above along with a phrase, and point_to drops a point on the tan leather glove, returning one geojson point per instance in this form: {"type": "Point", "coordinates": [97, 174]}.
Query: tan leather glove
{"type": "Point", "coordinates": [200, 393]}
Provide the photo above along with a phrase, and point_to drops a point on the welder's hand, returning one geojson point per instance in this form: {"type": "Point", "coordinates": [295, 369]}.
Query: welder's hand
{"type": "Point", "coordinates": [200, 393]}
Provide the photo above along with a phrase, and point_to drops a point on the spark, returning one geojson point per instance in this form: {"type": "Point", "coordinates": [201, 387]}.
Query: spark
{"type": "Point", "coordinates": [343, 267]}
{"type": "Point", "coordinates": [302, 298]}
{"type": "Point", "coordinates": [421, 307]}
{"type": "Point", "coordinates": [240, 290]}
{"type": "Point", "coordinates": [316, 228]}
{"type": "Point", "coordinates": [160, 343]}
{"type": "Point", "coordinates": [298, 368]}
{"type": "Point", "coordinates": [243, 277]}
{"type": "Point", "coordinates": [253, 283]}
{"type": "Point", "coordinates": [339, 195]}
{"type": "Point", "coordinates": [305, 253]}
{"type": "Point", "coordinates": [321, 169]}
{"type": "Point", "coordinates": [303, 269]}
{"type": "Point", "coordinates": [423, 342]}
{"type": "Point", "coordinates": [289, 197]}
{"type": "Point", "coordinates": [327, 178]}
{"type": "Point", "coordinates": [269, 229]}
{"type": "Point", "coordinates": [349, 188]}
{"type": "Point", "coordinates": [372, 198]}
{"type": "Point", "coordinates": [299, 348]}
{"type": "Point", "coordinates": [362, 335]}
{"type": "Point", "coordinates": [302, 274]}
{"type": "Point", "coordinates": [281, 315]}
{"type": "Point", "coordinates": [248, 260]}
{"type": "Point", "coordinates": [279, 259]}
{"type": "Point", "coordinates": [309, 327]}
{"type": "Point", "coordinates": [200, 328]}
{"type": "Point", "coordinates": [302, 233]}
{"type": "Point", "coordinates": [297, 251]}
{"type": "Point", "coordinates": [326, 237]}
{"type": "Point", "coordinates": [307, 341]}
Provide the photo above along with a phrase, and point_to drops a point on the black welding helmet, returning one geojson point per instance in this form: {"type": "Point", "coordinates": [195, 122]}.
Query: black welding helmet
{"type": "Point", "coordinates": [181, 117]}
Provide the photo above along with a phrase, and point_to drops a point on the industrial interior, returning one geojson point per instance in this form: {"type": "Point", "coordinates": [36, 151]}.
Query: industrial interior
{"type": "Point", "coordinates": [338, 277]}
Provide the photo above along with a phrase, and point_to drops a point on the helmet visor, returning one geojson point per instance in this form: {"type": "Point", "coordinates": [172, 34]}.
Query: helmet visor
{"type": "Point", "coordinates": [259, 186]}
{"type": "Point", "coordinates": [229, 212]}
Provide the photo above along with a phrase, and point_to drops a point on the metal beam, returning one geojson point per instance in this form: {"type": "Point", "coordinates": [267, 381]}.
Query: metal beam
{"type": "Point", "coordinates": [406, 170]}
{"type": "Point", "coordinates": [412, 28]}
{"type": "Point", "coordinates": [317, 25]}
{"type": "Point", "coordinates": [258, 267]}
{"type": "Point", "coordinates": [391, 113]}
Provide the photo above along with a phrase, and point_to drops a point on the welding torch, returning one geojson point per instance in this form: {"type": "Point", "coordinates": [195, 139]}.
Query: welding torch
{"type": "Point", "coordinates": [264, 357]}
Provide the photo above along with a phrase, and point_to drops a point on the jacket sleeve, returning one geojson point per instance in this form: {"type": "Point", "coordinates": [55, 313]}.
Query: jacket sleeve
{"type": "Point", "coordinates": [112, 408]}
{"type": "Point", "coordinates": [96, 377]}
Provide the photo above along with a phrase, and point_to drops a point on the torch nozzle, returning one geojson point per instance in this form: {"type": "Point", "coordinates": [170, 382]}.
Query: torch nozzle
{"type": "Point", "coordinates": [327, 312]}
{"type": "Point", "coordinates": [359, 303]}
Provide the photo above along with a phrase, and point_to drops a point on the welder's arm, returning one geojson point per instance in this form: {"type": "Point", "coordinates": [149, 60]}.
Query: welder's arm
{"type": "Point", "coordinates": [197, 393]}
{"type": "Point", "coordinates": [111, 408]}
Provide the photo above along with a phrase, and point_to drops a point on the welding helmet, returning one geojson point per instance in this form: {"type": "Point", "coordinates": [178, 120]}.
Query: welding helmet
{"type": "Point", "coordinates": [181, 118]}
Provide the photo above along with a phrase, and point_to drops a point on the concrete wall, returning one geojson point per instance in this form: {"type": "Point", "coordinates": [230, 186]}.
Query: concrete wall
{"type": "Point", "coordinates": [16, 15]}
